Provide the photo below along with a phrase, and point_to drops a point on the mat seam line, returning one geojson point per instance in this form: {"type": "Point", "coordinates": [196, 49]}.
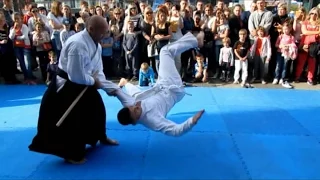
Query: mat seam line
{"type": "Point", "coordinates": [307, 130]}
{"type": "Point", "coordinates": [145, 155]}
{"type": "Point", "coordinates": [241, 158]}
{"type": "Point", "coordinates": [37, 168]}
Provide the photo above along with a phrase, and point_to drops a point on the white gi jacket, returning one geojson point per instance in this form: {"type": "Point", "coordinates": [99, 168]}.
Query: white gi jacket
{"type": "Point", "coordinates": [81, 58]}
{"type": "Point", "coordinates": [157, 101]}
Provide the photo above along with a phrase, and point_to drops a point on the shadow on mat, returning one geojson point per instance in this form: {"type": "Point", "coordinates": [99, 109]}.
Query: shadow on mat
{"type": "Point", "coordinates": [19, 95]}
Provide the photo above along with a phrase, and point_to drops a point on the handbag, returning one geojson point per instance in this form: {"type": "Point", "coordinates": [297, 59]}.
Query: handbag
{"type": "Point", "coordinates": [152, 50]}
{"type": "Point", "coordinates": [47, 46]}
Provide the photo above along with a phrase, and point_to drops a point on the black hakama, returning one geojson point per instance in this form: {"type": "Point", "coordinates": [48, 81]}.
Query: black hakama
{"type": "Point", "coordinates": [86, 123]}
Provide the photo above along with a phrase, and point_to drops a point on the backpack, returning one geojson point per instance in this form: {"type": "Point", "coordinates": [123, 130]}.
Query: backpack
{"type": "Point", "coordinates": [314, 50]}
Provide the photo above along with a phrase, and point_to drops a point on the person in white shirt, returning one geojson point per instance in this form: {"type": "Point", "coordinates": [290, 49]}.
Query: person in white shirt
{"type": "Point", "coordinates": [151, 107]}
{"type": "Point", "coordinates": [79, 70]}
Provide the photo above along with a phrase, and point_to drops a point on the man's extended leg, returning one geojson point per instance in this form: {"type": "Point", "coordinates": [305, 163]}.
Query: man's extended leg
{"type": "Point", "coordinates": [168, 73]}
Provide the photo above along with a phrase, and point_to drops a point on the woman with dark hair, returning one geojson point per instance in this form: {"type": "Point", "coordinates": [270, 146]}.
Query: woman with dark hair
{"type": "Point", "coordinates": [6, 53]}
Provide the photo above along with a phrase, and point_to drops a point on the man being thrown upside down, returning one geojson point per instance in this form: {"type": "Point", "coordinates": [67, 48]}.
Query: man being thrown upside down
{"type": "Point", "coordinates": [150, 107]}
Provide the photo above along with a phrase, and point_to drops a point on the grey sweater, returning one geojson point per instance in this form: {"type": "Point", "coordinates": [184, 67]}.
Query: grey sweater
{"type": "Point", "coordinates": [265, 21]}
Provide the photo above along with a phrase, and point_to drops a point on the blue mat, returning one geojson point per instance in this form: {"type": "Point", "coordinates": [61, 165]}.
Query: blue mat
{"type": "Point", "coordinates": [244, 134]}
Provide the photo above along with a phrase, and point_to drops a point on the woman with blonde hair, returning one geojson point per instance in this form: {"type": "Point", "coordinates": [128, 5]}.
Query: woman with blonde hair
{"type": "Point", "coordinates": [299, 18]}
{"type": "Point", "coordinates": [133, 16]}
{"type": "Point", "coordinates": [161, 32]}
{"type": "Point", "coordinates": [310, 33]}
{"type": "Point", "coordinates": [67, 13]}
{"type": "Point", "coordinates": [146, 27]}
{"type": "Point", "coordinates": [55, 17]}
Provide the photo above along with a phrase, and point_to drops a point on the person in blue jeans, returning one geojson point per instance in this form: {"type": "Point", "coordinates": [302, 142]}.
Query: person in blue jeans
{"type": "Point", "coordinates": [19, 34]}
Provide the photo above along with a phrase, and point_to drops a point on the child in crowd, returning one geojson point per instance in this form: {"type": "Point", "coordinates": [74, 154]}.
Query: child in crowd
{"type": "Point", "coordinates": [287, 50]}
{"type": "Point", "coordinates": [19, 34]}
{"type": "Point", "coordinates": [116, 49]}
{"type": "Point", "coordinates": [146, 75]}
{"type": "Point", "coordinates": [226, 59]}
{"type": "Point", "coordinates": [222, 30]}
{"type": "Point", "coordinates": [241, 52]}
{"type": "Point", "coordinates": [261, 54]}
{"type": "Point", "coordinates": [52, 67]}
{"type": "Point", "coordinates": [201, 69]}
{"type": "Point", "coordinates": [79, 27]}
{"type": "Point", "coordinates": [107, 61]}
{"type": "Point", "coordinates": [41, 41]}
{"type": "Point", "coordinates": [130, 46]}
{"type": "Point", "coordinates": [66, 32]}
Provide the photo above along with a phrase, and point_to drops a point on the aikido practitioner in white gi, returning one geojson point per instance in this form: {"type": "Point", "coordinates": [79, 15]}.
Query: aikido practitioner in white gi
{"type": "Point", "coordinates": [151, 107]}
{"type": "Point", "coordinates": [80, 67]}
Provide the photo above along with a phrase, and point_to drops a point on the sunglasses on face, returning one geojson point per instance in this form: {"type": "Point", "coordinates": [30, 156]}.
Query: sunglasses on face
{"type": "Point", "coordinates": [311, 14]}
{"type": "Point", "coordinates": [149, 13]}
{"type": "Point", "coordinates": [34, 11]}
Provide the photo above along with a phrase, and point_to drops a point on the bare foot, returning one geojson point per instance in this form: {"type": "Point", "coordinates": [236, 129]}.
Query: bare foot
{"type": "Point", "coordinates": [82, 161]}
{"type": "Point", "coordinates": [197, 116]}
{"type": "Point", "coordinates": [122, 82]}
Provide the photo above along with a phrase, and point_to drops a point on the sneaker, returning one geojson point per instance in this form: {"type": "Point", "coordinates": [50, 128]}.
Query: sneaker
{"type": "Point", "coordinates": [275, 81]}
{"type": "Point", "coordinates": [236, 82]}
{"type": "Point", "coordinates": [263, 82]}
{"type": "Point", "coordinates": [310, 83]}
{"type": "Point", "coordinates": [247, 85]}
{"type": "Point", "coordinates": [281, 81]}
{"type": "Point", "coordinates": [286, 85]}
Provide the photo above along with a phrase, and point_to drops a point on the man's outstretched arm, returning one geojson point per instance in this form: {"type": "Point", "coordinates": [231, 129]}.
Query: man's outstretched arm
{"type": "Point", "coordinates": [171, 128]}
{"type": "Point", "coordinates": [126, 98]}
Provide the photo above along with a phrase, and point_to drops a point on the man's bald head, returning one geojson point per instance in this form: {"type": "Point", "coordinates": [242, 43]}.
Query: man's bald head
{"type": "Point", "coordinates": [97, 26]}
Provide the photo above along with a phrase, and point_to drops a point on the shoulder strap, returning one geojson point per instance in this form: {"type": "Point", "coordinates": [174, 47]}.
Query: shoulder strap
{"type": "Point", "coordinates": [261, 18]}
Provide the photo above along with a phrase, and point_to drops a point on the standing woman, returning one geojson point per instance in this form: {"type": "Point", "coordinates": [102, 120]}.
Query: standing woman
{"type": "Point", "coordinates": [161, 32]}
{"type": "Point", "coordinates": [299, 18]}
{"type": "Point", "coordinates": [132, 16]}
{"type": "Point", "coordinates": [310, 30]}
{"type": "Point", "coordinates": [207, 26]}
{"type": "Point", "coordinates": [66, 10]}
{"type": "Point", "coordinates": [146, 26]}
{"type": "Point", "coordinates": [118, 21]}
{"type": "Point", "coordinates": [19, 34]}
{"type": "Point", "coordinates": [55, 17]}
{"type": "Point", "coordinates": [6, 54]}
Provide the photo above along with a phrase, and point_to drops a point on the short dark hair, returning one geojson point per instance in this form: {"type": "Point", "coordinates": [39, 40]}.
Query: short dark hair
{"type": "Point", "coordinates": [124, 116]}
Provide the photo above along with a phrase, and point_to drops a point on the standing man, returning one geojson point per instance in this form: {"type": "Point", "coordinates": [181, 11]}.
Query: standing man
{"type": "Point", "coordinates": [80, 66]}
{"type": "Point", "coordinates": [260, 17]}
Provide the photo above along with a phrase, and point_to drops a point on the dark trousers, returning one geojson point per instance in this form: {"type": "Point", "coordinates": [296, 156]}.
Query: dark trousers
{"type": "Point", "coordinates": [43, 60]}
{"type": "Point", "coordinates": [6, 70]}
{"type": "Point", "coordinates": [107, 63]}
{"type": "Point", "coordinates": [186, 57]}
{"type": "Point", "coordinates": [132, 64]}
{"type": "Point", "coordinates": [261, 68]}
